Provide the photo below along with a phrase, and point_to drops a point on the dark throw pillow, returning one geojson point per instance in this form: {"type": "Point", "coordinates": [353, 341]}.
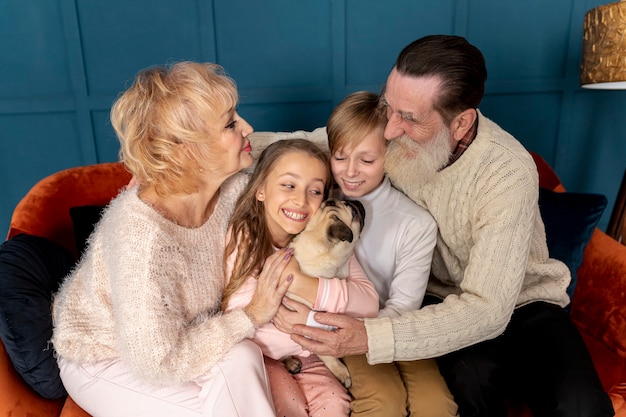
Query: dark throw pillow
{"type": "Point", "coordinates": [31, 269]}
{"type": "Point", "coordinates": [570, 219]}
{"type": "Point", "coordinates": [84, 219]}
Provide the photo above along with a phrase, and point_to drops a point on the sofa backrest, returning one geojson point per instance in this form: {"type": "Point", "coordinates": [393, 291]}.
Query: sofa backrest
{"type": "Point", "coordinates": [45, 209]}
{"type": "Point", "coordinates": [547, 177]}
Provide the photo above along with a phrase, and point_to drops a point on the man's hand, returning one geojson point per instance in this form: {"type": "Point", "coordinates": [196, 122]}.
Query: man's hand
{"type": "Point", "coordinates": [350, 337]}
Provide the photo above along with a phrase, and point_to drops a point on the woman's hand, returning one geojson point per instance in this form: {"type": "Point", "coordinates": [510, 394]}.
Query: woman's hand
{"type": "Point", "coordinates": [289, 314]}
{"type": "Point", "coordinates": [271, 288]}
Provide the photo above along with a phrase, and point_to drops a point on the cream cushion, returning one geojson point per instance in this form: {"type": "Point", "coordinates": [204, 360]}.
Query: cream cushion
{"type": "Point", "coordinates": [261, 140]}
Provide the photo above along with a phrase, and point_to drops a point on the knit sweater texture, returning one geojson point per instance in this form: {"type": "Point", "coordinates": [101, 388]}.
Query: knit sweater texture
{"type": "Point", "coordinates": [491, 254]}
{"type": "Point", "coordinates": [148, 292]}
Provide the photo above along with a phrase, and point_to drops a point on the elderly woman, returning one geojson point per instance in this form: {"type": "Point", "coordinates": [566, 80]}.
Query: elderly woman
{"type": "Point", "coordinates": [137, 324]}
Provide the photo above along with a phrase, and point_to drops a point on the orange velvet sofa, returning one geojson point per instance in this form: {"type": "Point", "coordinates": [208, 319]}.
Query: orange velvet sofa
{"type": "Point", "coordinates": [598, 308]}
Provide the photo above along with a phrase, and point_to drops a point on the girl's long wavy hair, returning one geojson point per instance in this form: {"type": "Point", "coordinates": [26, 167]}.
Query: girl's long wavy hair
{"type": "Point", "coordinates": [249, 233]}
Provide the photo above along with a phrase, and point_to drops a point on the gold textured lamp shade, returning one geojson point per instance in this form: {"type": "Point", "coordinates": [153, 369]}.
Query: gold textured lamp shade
{"type": "Point", "coordinates": [604, 47]}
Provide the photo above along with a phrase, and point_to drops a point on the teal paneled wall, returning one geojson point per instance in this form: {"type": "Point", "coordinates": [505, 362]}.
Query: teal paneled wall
{"type": "Point", "coordinates": [63, 62]}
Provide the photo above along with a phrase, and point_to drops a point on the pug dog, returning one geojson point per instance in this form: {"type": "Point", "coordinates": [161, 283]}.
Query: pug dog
{"type": "Point", "coordinates": [323, 250]}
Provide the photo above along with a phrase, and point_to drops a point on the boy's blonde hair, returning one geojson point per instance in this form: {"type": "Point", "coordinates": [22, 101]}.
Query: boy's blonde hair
{"type": "Point", "coordinates": [354, 118]}
{"type": "Point", "coordinates": [168, 116]}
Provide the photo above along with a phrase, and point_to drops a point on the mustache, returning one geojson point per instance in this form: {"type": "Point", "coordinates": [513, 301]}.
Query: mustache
{"type": "Point", "coordinates": [404, 143]}
{"type": "Point", "coordinates": [410, 164]}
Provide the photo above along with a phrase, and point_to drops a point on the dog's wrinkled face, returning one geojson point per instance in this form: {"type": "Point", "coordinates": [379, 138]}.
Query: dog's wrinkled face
{"type": "Point", "coordinates": [324, 247]}
{"type": "Point", "coordinates": [323, 250]}
{"type": "Point", "coordinates": [342, 220]}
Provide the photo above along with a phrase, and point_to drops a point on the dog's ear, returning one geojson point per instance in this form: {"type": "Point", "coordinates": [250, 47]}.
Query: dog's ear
{"type": "Point", "coordinates": [358, 211]}
{"type": "Point", "coordinates": [340, 231]}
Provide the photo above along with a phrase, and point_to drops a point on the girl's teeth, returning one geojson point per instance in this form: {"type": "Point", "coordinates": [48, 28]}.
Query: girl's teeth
{"type": "Point", "coordinates": [294, 216]}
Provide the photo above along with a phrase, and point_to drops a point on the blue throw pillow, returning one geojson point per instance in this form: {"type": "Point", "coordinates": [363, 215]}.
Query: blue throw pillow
{"type": "Point", "coordinates": [570, 219]}
{"type": "Point", "coordinates": [31, 269]}
{"type": "Point", "coordinates": [84, 219]}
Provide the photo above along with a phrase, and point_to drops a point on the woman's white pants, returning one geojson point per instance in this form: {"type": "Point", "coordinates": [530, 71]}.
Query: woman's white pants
{"type": "Point", "coordinates": [236, 386]}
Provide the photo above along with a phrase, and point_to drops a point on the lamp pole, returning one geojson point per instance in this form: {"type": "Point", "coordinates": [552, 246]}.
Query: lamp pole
{"type": "Point", "coordinates": [617, 223]}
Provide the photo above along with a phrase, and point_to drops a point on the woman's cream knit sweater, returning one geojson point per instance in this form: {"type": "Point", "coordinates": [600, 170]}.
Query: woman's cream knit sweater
{"type": "Point", "coordinates": [491, 254]}
{"type": "Point", "coordinates": [148, 292]}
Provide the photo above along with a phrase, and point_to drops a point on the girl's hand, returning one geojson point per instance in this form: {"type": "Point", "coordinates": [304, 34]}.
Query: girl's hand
{"type": "Point", "coordinates": [289, 314]}
{"type": "Point", "coordinates": [303, 286]}
{"type": "Point", "coordinates": [271, 288]}
{"type": "Point", "coordinates": [292, 268]}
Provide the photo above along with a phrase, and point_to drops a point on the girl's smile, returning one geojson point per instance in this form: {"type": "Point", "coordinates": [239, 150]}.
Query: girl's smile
{"type": "Point", "coordinates": [291, 194]}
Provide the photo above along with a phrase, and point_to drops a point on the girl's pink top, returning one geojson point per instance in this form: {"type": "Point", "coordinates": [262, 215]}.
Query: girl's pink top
{"type": "Point", "coordinates": [355, 296]}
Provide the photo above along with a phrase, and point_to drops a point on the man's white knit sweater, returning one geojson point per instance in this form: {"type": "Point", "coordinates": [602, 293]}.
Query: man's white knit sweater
{"type": "Point", "coordinates": [491, 254]}
{"type": "Point", "coordinates": [148, 292]}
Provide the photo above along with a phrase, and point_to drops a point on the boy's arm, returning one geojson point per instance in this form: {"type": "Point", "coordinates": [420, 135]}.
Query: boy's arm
{"type": "Point", "coordinates": [414, 253]}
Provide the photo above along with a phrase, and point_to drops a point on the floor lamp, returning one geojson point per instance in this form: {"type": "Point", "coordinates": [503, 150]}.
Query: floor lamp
{"type": "Point", "coordinates": [604, 67]}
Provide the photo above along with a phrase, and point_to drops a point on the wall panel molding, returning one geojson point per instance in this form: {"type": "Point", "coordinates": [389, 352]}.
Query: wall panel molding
{"type": "Point", "coordinates": [65, 61]}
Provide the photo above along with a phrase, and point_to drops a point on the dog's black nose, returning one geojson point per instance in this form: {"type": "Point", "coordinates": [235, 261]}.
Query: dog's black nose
{"type": "Point", "coordinates": [331, 202]}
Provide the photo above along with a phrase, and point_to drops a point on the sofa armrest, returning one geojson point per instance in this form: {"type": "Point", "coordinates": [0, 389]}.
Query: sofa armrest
{"type": "Point", "coordinates": [17, 399]}
{"type": "Point", "coordinates": [71, 409]}
{"type": "Point", "coordinates": [599, 302]}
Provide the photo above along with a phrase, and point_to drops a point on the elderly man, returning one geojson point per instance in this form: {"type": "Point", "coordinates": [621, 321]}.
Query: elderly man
{"type": "Point", "coordinates": [497, 324]}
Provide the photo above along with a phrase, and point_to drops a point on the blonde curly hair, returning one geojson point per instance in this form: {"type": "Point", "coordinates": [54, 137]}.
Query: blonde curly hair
{"type": "Point", "coordinates": [166, 106]}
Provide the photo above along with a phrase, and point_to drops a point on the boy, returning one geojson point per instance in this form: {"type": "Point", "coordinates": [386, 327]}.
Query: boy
{"type": "Point", "coordinates": [395, 250]}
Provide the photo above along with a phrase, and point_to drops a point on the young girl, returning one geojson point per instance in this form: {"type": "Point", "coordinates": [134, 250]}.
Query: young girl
{"type": "Point", "coordinates": [395, 249]}
{"type": "Point", "coordinates": [287, 187]}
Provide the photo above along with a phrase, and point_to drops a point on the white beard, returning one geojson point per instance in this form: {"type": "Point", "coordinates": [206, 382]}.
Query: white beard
{"type": "Point", "coordinates": [409, 165]}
